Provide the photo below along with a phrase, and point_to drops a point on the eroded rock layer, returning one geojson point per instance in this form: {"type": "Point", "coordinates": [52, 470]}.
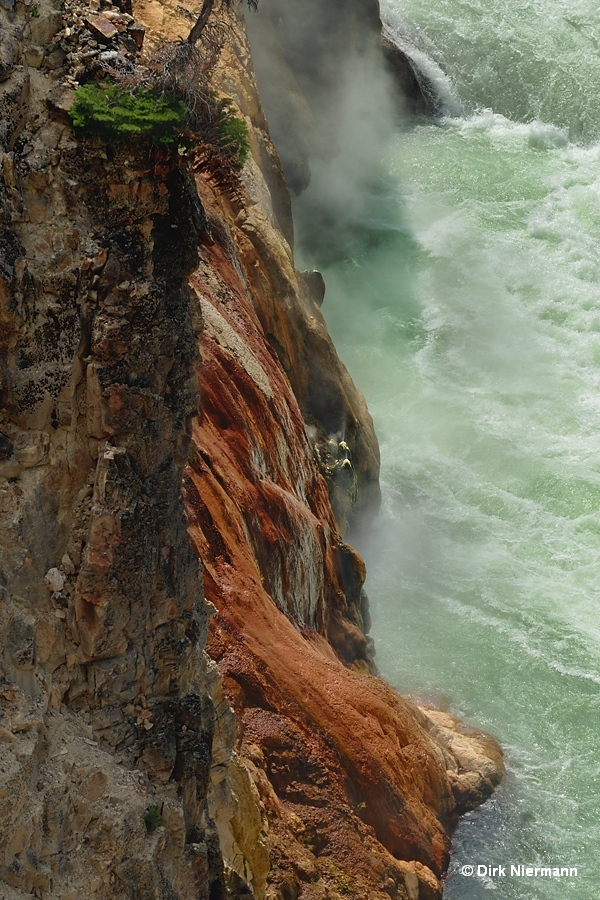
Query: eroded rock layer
{"type": "Point", "coordinates": [359, 789]}
{"type": "Point", "coordinates": [130, 764]}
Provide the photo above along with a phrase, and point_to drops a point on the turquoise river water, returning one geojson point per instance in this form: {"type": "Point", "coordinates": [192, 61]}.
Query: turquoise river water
{"type": "Point", "coordinates": [473, 328]}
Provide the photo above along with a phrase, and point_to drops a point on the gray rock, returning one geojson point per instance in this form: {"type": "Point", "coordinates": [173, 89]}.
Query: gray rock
{"type": "Point", "coordinates": [20, 641]}
{"type": "Point", "coordinates": [14, 97]}
{"type": "Point", "coordinates": [315, 284]}
{"type": "Point", "coordinates": [10, 52]}
{"type": "Point", "coordinates": [35, 57]}
{"type": "Point", "coordinates": [45, 27]}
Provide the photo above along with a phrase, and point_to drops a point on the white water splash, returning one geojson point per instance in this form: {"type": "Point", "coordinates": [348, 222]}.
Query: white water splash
{"type": "Point", "coordinates": [427, 71]}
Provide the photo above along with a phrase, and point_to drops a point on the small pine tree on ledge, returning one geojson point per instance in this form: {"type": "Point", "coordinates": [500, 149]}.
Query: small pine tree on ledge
{"type": "Point", "coordinates": [116, 114]}
{"type": "Point", "coordinates": [169, 99]}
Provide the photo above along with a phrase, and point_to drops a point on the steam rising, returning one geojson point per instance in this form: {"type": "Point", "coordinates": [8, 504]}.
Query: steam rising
{"type": "Point", "coordinates": [331, 109]}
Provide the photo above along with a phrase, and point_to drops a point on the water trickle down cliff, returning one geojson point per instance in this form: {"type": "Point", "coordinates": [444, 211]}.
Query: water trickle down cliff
{"type": "Point", "coordinates": [124, 771]}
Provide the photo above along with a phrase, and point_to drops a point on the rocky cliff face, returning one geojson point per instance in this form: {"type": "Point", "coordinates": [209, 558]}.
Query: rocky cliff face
{"type": "Point", "coordinates": [107, 719]}
{"type": "Point", "coordinates": [131, 765]}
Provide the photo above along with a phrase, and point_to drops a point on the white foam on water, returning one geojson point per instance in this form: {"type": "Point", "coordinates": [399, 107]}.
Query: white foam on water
{"type": "Point", "coordinates": [428, 72]}
{"type": "Point", "coordinates": [534, 60]}
{"type": "Point", "coordinates": [479, 353]}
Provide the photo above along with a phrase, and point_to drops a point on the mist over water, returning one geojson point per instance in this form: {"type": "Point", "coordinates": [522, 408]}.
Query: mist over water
{"type": "Point", "coordinates": [463, 295]}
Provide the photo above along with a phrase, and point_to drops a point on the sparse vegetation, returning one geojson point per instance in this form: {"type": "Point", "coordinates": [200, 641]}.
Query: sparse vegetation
{"type": "Point", "coordinates": [193, 455]}
{"type": "Point", "coordinates": [153, 818]}
{"type": "Point", "coordinates": [116, 114]}
{"type": "Point", "coordinates": [339, 881]}
{"type": "Point", "coordinates": [168, 98]}
{"type": "Point", "coordinates": [232, 137]}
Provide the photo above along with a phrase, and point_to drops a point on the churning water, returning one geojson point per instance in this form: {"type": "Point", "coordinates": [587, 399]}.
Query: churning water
{"type": "Point", "coordinates": [473, 327]}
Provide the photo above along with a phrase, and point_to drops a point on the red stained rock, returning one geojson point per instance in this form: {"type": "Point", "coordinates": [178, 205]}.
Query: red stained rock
{"type": "Point", "coordinates": [138, 33]}
{"type": "Point", "coordinates": [353, 778]}
{"type": "Point", "coordinates": [102, 29]}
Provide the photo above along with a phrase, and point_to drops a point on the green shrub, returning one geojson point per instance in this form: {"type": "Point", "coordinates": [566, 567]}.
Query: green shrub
{"type": "Point", "coordinates": [153, 818]}
{"type": "Point", "coordinates": [192, 118]}
{"type": "Point", "coordinates": [117, 114]}
{"type": "Point", "coordinates": [232, 135]}
{"type": "Point", "coordinates": [193, 455]}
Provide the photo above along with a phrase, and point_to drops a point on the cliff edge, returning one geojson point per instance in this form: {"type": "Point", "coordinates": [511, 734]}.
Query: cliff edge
{"type": "Point", "coordinates": [146, 299]}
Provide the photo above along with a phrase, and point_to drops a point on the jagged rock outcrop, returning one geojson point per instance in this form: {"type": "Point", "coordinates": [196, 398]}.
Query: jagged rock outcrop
{"type": "Point", "coordinates": [130, 764]}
